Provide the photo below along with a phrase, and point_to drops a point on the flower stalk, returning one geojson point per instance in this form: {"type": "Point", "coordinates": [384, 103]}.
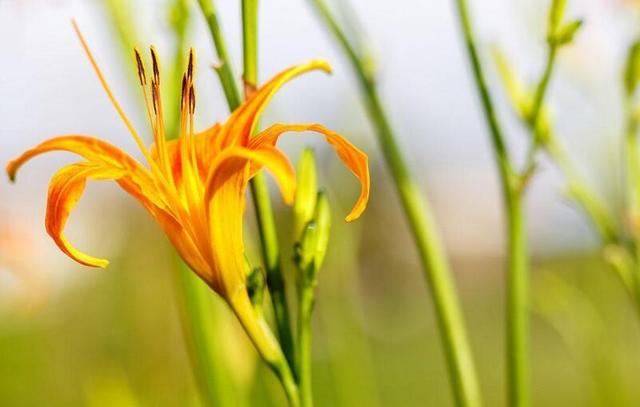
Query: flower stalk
{"type": "Point", "coordinates": [259, 190]}
{"type": "Point", "coordinates": [531, 111]}
{"type": "Point", "coordinates": [517, 263]}
{"type": "Point", "coordinates": [419, 216]}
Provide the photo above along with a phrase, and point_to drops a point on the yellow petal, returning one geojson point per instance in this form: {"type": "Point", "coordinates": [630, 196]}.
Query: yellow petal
{"type": "Point", "coordinates": [232, 162]}
{"type": "Point", "coordinates": [65, 190]}
{"type": "Point", "coordinates": [354, 158]}
{"type": "Point", "coordinates": [225, 197]}
{"type": "Point", "coordinates": [240, 125]}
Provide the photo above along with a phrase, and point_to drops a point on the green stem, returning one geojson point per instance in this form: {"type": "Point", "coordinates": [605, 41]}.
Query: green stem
{"type": "Point", "coordinates": [542, 87]}
{"type": "Point", "coordinates": [517, 274]}
{"type": "Point", "coordinates": [250, 41]}
{"type": "Point", "coordinates": [261, 200]}
{"type": "Point", "coordinates": [266, 344]}
{"type": "Point", "coordinates": [536, 109]}
{"type": "Point", "coordinates": [305, 305]}
{"type": "Point", "coordinates": [201, 328]}
{"type": "Point", "coordinates": [271, 255]}
{"type": "Point", "coordinates": [224, 68]}
{"type": "Point", "coordinates": [418, 213]}
{"type": "Point", "coordinates": [633, 185]}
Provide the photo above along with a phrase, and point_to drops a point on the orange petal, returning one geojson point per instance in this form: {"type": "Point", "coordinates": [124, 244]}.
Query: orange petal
{"type": "Point", "coordinates": [65, 190]}
{"type": "Point", "coordinates": [90, 148]}
{"type": "Point", "coordinates": [354, 158]}
{"type": "Point", "coordinates": [233, 162]}
{"type": "Point", "coordinates": [139, 183]}
{"type": "Point", "coordinates": [225, 195]}
{"type": "Point", "coordinates": [240, 125]}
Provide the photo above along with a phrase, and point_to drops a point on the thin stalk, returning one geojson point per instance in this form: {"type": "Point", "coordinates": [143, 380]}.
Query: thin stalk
{"type": "Point", "coordinates": [306, 302]}
{"type": "Point", "coordinates": [261, 200]}
{"type": "Point", "coordinates": [419, 216]}
{"type": "Point", "coordinates": [517, 273]}
{"type": "Point", "coordinates": [536, 109]}
{"type": "Point", "coordinates": [633, 186]}
{"type": "Point", "coordinates": [224, 68]}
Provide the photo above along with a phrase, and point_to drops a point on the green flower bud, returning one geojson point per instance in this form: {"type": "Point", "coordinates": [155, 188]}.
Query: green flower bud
{"type": "Point", "coordinates": [556, 14]}
{"type": "Point", "coordinates": [564, 35]}
{"type": "Point", "coordinates": [632, 68]}
{"type": "Point", "coordinates": [322, 219]}
{"type": "Point", "coordinates": [312, 247]}
{"type": "Point", "coordinates": [305, 199]}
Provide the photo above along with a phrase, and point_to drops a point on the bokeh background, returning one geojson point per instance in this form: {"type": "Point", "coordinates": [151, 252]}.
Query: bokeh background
{"type": "Point", "coordinates": [71, 336]}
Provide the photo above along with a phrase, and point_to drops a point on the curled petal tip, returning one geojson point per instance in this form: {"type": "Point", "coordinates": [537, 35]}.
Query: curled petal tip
{"type": "Point", "coordinates": [322, 65]}
{"type": "Point", "coordinates": [11, 171]}
{"type": "Point", "coordinates": [351, 217]}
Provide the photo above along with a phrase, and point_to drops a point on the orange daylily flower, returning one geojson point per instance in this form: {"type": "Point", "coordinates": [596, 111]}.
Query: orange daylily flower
{"type": "Point", "coordinates": [194, 186]}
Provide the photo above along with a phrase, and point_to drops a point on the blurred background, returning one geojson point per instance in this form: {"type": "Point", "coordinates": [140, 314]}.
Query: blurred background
{"type": "Point", "coordinates": [72, 336]}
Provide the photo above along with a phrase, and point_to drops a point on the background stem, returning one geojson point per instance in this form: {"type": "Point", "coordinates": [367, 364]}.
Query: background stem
{"type": "Point", "coordinates": [517, 273]}
{"type": "Point", "coordinates": [418, 213]}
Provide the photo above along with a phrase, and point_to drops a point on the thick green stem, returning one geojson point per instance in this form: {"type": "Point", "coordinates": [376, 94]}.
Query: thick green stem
{"type": "Point", "coordinates": [305, 306]}
{"type": "Point", "coordinates": [517, 304]}
{"type": "Point", "coordinates": [261, 200]}
{"type": "Point", "coordinates": [433, 259]}
{"type": "Point", "coordinates": [266, 344]}
{"type": "Point", "coordinates": [512, 188]}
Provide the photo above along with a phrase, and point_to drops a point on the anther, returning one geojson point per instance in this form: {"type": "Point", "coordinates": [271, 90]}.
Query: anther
{"type": "Point", "coordinates": [190, 65]}
{"type": "Point", "coordinates": [155, 96]}
{"type": "Point", "coordinates": [141, 73]}
{"type": "Point", "coordinates": [184, 92]}
{"type": "Point", "coordinates": [154, 60]}
{"type": "Point", "coordinates": [192, 100]}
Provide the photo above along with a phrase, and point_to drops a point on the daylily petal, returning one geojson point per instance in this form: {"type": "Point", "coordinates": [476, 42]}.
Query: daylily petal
{"type": "Point", "coordinates": [234, 160]}
{"type": "Point", "coordinates": [225, 195]}
{"type": "Point", "coordinates": [65, 190]}
{"type": "Point", "coordinates": [90, 148]}
{"type": "Point", "coordinates": [205, 152]}
{"type": "Point", "coordinates": [353, 157]}
{"type": "Point", "coordinates": [240, 125]}
{"type": "Point", "coordinates": [139, 182]}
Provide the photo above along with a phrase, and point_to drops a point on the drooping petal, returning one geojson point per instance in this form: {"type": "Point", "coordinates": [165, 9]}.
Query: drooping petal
{"type": "Point", "coordinates": [225, 195]}
{"type": "Point", "coordinates": [139, 182]}
{"type": "Point", "coordinates": [65, 189]}
{"type": "Point", "coordinates": [354, 158]}
{"type": "Point", "coordinates": [240, 125]}
{"type": "Point", "coordinates": [90, 148]}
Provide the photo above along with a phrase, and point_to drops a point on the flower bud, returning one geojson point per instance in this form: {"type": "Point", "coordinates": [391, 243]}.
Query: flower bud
{"type": "Point", "coordinates": [305, 199]}
{"type": "Point", "coordinates": [322, 219]}
{"type": "Point", "coordinates": [632, 69]}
